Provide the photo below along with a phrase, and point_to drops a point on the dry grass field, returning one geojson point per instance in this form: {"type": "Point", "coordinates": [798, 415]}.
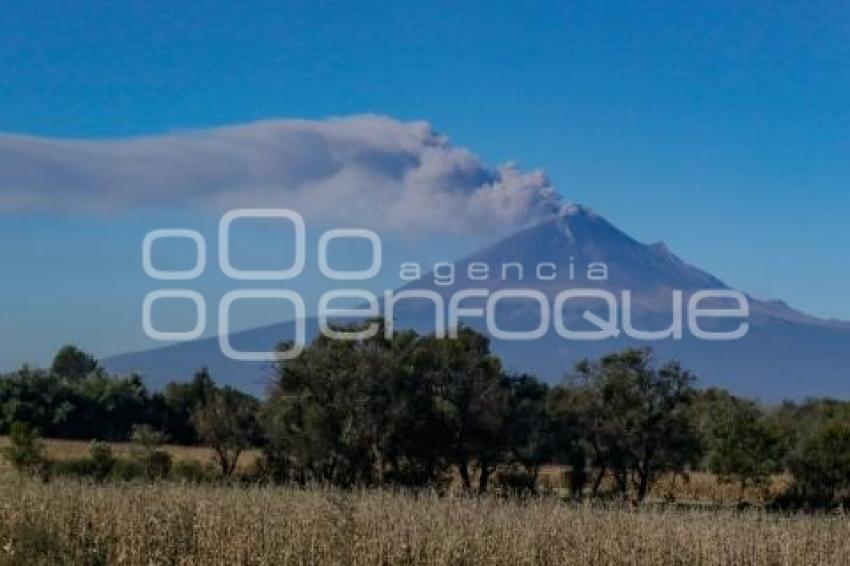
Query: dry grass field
{"type": "Point", "coordinates": [67, 449]}
{"type": "Point", "coordinates": [72, 522]}
{"type": "Point", "coordinates": [67, 522]}
{"type": "Point", "coordinates": [695, 488]}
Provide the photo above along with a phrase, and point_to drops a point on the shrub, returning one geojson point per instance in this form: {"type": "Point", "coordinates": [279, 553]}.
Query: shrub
{"type": "Point", "coordinates": [516, 480]}
{"type": "Point", "coordinates": [74, 467]}
{"type": "Point", "coordinates": [102, 460]}
{"type": "Point", "coordinates": [126, 470]}
{"type": "Point", "coordinates": [155, 463]}
{"type": "Point", "coordinates": [98, 465]}
{"type": "Point", "coordinates": [158, 465]}
{"type": "Point", "coordinates": [26, 452]}
{"type": "Point", "coordinates": [192, 471]}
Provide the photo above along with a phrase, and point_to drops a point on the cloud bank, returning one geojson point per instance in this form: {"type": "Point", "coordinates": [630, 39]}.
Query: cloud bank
{"type": "Point", "coordinates": [369, 171]}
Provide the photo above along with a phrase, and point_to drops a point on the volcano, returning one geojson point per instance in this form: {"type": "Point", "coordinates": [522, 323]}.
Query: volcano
{"type": "Point", "coordinates": [785, 353]}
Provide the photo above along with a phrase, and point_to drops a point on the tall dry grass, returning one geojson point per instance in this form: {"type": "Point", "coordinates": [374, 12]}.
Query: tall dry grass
{"type": "Point", "coordinates": [57, 449]}
{"type": "Point", "coordinates": [694, 487]}
{"type": "Point", "coordinates": [71, 523]}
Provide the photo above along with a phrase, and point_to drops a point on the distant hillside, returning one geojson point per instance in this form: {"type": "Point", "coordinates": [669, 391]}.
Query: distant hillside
{"type": "Point", "coordinates": [785, 354]}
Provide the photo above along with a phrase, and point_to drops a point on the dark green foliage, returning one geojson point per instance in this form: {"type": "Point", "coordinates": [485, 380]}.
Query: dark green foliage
{"type": "Point", "coordinates": [402, 410]}
{"type": "Point", "coordinates": [176, 405]}
{"type": "Point", "coordinates": [821, 464]}
{"type": "Point", "coordinates": [634, 419]}
{"type": "Point", "coordinates": [741, 444]}
{"type": "Point", "coordinates": [470, 399]}
{"type": "Point", "coordinates": [192, 471]}
{"type": "Point", "coordinates": [94, 406]}
{"type": "Point", "coordinates": [527, 430]}
{"type": "Point", "coordinates": [157, 465]}
{"type": "Point", "coordinates": [567, 419]}
{"type": "Point", "coordinates": [25, 452]}
{"type": "Point", "coordinates": [126, 469]}
{"type": "Point", "coordinates": [154, 462]}
{"type": "Point", "coordinates": [352, 412]}
{"type": "Point", "coordinates": [73, 467]}
{"type": "Point", "coordinates": [226, 421]}
{"type": "Point", "coordinates": [412, 410]}
{"type": "Point", "coordinates": [102, 460]}
{"type": "Point", "coordinates": [72, 363]}
{"type": "Point", "coordinates": [78, 400]}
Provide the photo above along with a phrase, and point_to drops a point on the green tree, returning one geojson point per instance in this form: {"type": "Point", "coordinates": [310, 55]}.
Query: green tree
{"type": "Point", "coordinates": [402, 410]}
{"type": "Point", "coordinates": [72, 363]}
{"type": "Point", "coordinates": [821, 464]}
{"type": "Point", "coordinates": [94, 406]}
{"type": "Point", "coordinates": [227, 423]}
{"type": "Point", "coordinates": [179, 401]}
{"type": "Point", "coordinates": [742, 446]}
{"type": "Point", "coordinates": [471, 401]}
{"type": "Point", "coordinates": [527, 428]}
{"type": "Point", "coordinates": [636, 418]}
{"type": "Point", "coordinates": [569, 434]}
{"type": "Point", "coordinates": [350, 412]}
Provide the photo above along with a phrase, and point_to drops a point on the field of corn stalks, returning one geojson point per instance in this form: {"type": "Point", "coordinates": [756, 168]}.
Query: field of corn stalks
{"type": "Point", "coordinates": [67, 522]}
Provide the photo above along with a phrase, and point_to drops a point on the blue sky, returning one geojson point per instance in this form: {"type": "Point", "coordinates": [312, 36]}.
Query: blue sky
{"type": "Point", "coordinates": [719, 127]}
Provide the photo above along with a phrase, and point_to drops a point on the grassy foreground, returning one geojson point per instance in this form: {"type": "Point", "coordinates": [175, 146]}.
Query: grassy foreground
{"type": "Point", "coordinates": [66, 522]}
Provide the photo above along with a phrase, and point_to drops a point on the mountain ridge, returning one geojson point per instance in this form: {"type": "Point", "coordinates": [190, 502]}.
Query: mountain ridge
{"type": "Point", "coordinates": [783, 343]}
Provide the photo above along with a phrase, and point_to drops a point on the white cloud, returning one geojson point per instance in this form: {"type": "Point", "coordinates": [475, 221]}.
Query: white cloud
{"type": "Point", "coordinates": [384, 173]}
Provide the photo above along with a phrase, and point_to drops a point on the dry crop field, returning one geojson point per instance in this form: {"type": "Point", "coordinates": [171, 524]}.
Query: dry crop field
{"type": "Point", "coordinates": [66, 522]}
{"type": "Point", "coordinates": [70, 522]}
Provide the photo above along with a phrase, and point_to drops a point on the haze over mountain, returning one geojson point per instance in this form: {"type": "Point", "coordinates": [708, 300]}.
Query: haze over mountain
{"type": "Point", "coordinates": [785, 354]}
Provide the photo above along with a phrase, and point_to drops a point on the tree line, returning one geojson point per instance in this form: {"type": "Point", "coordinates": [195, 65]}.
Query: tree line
{"type": "Point", "coordinates": [416, 411]}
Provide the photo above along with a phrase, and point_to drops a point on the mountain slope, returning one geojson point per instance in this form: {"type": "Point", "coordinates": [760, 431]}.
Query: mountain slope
{"type": "Point", "coordinates": [785, 354]}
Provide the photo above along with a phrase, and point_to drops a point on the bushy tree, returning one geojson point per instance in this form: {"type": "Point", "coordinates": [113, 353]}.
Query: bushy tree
{"type": "Point", "coordinates": [798, 421]}
{"type": "Point", "coordinates": [821, 464]}
{"type": "Point", "coordinates": [226, 421]}
{"type": "Point", "coordinates": [106, 407]}
{"type": "Point", "coordinates": [351, 412]}
{"type": "Point", "coordinates": [72, 363]}
{"type": "Point", "coordinates": [175, 406]}
{"type": "Point", "coordinates": [94, 405]}
{"type": "Point", "coordinates": [64, 402]}
{"type": "Point", "coordinates": [741, 444]}
{"type": "Point", "coordinates": [471, 400]}
{"type": "Point", "coordinates": [401, 410]}
{"type": "Point", "coordinates": [636, 418]}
